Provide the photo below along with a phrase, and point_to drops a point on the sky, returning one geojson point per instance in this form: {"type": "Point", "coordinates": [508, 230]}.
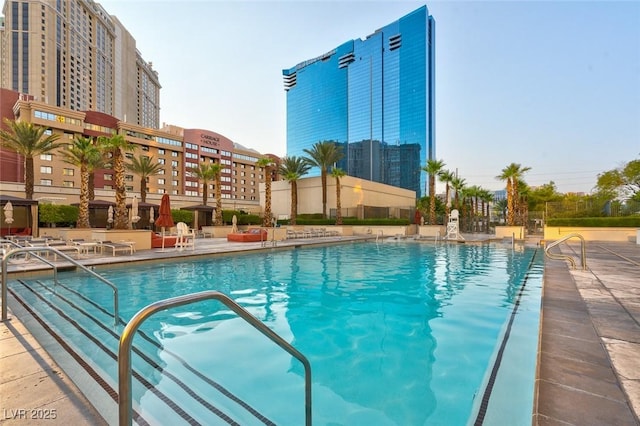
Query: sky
{"type": "Point", "coordinates": [550, 85]}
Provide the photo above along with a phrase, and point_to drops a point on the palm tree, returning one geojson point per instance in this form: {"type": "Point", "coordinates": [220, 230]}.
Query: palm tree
{"type": "Point", "coordinates": [433, 168]}
{"type": "Point", "coordinates": [447, 177]}
{"type": "Point", "coordinates": [324, 155]}
{"type": "Point", "coordinates": [144, 167]}
{"type": "Point", "coordinates": [204, 172]}
{"type": "Point", "coordinates": [293, 168]}
{"type": "Point", "coordinates": [511, 174]}
{"type": "Point", "coordinates": [216, 170]}
{"type": "Point", "coordinates": [487, 197]}
{"type": "Point", "coordinates": [458, 184]}
{"type": "Point", "coordinates": [337, 174]}
{"type": "Point", "coordinates": [99, 162]}
{"type": "Point", "coordinates": [116, 145]}
{"type": "Point", "coordinates": [28, 140]}
{"type": "Point", "coordinates": [266, 163]}
{"type": "Point", "coordinates": [80, 154]}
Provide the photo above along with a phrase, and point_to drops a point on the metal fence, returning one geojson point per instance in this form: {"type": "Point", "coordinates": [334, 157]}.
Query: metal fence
{"type": "Point", "coordinates": [591, 208]}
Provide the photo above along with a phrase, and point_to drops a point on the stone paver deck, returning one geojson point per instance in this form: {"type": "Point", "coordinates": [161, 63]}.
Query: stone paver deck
{"type": "Point", "coordinates": [589, 352]}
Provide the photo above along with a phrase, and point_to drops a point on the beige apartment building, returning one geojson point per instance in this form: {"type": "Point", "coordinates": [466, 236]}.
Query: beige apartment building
{"type": "Point", "coordinates": [74, 55]}
{"type": "Point", "coordinates": [175, 148]}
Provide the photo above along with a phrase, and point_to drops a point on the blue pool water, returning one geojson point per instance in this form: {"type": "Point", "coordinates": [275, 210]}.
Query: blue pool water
{"type": "Point", "coordinates": [397, 334]}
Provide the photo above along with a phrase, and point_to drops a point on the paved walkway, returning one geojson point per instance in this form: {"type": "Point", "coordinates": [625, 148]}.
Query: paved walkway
{"type": "Point", "coordinates": [589, 368]}
{"type": "Point", "coordinates": [589, 358]}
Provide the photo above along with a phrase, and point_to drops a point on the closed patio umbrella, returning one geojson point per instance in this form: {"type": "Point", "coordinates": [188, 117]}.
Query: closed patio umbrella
{"type": "Point", "coordinates": [234, 224]}
{"type": "Point", "coordinates": [8, 214]}
{"type": "Point", "coordinates": [134, 210]}
{"type": "Point", "coordinates": [151, 215]}
{"type": "Point", "coordinates": [164, 215]}
{"type": "Point", "coordinates": [110, 215]}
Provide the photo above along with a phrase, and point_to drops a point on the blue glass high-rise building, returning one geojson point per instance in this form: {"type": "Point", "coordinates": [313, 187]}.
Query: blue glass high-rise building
{"type": "Point", "coordinates": [375, 97]}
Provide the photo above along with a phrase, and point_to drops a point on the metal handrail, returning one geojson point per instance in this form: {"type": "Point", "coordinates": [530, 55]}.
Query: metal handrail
{"type": "Point", "coordinates": [565, 256]}
{"type": "Point", "coordinates": [5, 260]}
{"type": "Point", "coordinates": [125, 410]}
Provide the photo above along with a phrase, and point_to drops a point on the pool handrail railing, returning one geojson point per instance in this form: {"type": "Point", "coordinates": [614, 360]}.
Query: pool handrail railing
{"type": "Point", "coordinates": [35, 251]}
{"type": "Point", "coordinates": [125, 408]}
{"type": "Point", "coordinates": [571, 260]}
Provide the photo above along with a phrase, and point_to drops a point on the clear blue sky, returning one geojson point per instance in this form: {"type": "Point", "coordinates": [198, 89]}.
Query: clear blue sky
{"type": "Point", "coordinates": [554, 86]}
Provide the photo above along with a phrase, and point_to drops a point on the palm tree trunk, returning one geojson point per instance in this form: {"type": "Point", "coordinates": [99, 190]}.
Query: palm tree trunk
{"type": "Point", "coordinates": [266, 220]}
{"type": "Point", "coordinates": [338, 203]}
{"type": "Point", "coordinates": [294, 202]}
{"type": "Point", "coordinates": [432, 199]}
{"type": "Point", "coordinates": [143, 189]}
{"type": "Point", "coordinates": [121, 221]}
{"type": "Point", "coordinates": [323, 178]}
{"type": "Point", "coordinates": [92, 186]}
{"type": "Point", "coordinates": [218, 200]}
{"type": "Point", "coordinates": [28, 177]}
{"type": "Point", "coordinates": [83, 213]}
{"type": "Point", "coordinates": [205, 192]}
{"type": "Point", "coordinates": [510, 204]}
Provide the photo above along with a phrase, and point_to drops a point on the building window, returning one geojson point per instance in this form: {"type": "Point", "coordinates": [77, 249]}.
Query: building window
{"type": "Point", "coordinates": [175, 183]}
{"type": "Point", "coordinates": [108, 177]}
{"type": "Point", "coordinates": [47, 170]}
{"type": "Point", "coordinates": [160, 181]}
{"type": "Point", "coordinates": [161, 151]}
{"type": "Point", "coordinates": [161, 191]}
{"type": "Point", "coordinates": [128, 188]}
{"type": "Point", "coordinates": [144, 148]}
{"type": "Point", "coordinates": [174, 173]}
{"type": "Point", "coordinates": [46, 182]}
{"type": "Point", "coordinates": [128, 178]}
{"type": "Point", "coordinates": [68, 184]}
{"type": "Point", "coordinates": [160, 160]}
{"type": "Point", "coordinates": [68, 172]}
{"type": "Point", "coordinates": [46, 157]}
{"type": "Point", "coordinates": [174, 154]}
{"type": "Point", "coordinates": [174, 164]}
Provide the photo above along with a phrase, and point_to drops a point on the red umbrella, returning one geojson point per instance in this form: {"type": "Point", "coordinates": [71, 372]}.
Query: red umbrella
{"type": "Point", "coordinates": [164, 215]}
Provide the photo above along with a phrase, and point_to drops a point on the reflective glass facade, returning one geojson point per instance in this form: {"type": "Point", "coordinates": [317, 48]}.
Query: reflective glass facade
{"type": "Point", "coordinates": [375, 97]}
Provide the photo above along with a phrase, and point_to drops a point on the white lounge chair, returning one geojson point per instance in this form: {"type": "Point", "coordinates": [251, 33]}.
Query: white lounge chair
{"type": "Point", "coordinates": [116, 247]}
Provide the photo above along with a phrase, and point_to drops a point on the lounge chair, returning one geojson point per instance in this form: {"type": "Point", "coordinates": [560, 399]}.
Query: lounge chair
{"type": "Point", "coordinates": [115, 247]}
{"type": "Point", "coordinates": [62, 246]}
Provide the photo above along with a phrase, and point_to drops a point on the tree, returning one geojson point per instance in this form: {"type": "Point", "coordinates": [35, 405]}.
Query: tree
{"type": "Point", "coordinates": [447, 177]}
{"type": "Point", "coordinates": [29, 141]}
{"type": "Point", "coordinates": [81, 153]}
{"type": "Point", "coordinates": [116, 146]}
{"type": "Point", "coordinates": [204, 172]}
{"type": "Point", "coordinates": [99, 162]}
{"type": "Point", "coordinates": [266, 163]}
{"type": "Point", "coordinates": [324, 155]}
{"type": "Point", "coordinates": [216, 169]}
{"type": "Point", "coordinates": [512, 174]}
{"type": "Point", "coordinates": [486, 197]}
{"type": "Point", "coordinates": [623, 182]}
{"type": "Point", "coordinates": [144, 167]}
{"type": "Point", "coordinates": [337, 173]}
{"type": "Point", "coordinates": [293, 168]}
{"type": "Point", "coordinates": [433, 168]}
{"type": "Point", "coordinates": [458, 184]}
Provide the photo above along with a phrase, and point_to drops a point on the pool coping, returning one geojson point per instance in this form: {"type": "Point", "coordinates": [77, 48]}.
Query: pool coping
{"type": "Point", "coordinates": [586, 359]}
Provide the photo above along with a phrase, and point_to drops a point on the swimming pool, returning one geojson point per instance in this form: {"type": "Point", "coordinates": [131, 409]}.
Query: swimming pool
{"type": "Point", "coordinates": [400, 333]}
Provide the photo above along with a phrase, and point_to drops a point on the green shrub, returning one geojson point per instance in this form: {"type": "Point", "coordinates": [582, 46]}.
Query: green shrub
{"type": "Point", "coordinates": [185, 216]}
{"type": "Point", "coordinates": [60, 215]}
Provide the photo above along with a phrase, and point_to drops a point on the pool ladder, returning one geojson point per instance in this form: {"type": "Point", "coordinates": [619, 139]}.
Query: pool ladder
{"type": "Point", "coordinates": [34, 252]}
{"type": "Point", "coordinates": [571, 260]}
{"type": "Point", "coordinates": [125, 409]}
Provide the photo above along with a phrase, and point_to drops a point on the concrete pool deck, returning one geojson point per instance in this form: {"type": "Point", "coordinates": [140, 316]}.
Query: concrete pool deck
{"type": "Point", "coordinates": [589, 352]}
